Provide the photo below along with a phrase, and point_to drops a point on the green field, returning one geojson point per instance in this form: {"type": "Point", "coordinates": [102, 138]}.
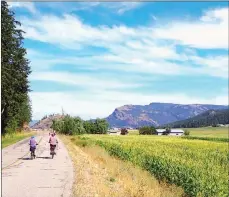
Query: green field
{"type": "Point", "coordinates": [11, 139]}
{"type": "Point", "coordinates": [221, 132]}
{"type": "Point", "coordinates": [199, 167]}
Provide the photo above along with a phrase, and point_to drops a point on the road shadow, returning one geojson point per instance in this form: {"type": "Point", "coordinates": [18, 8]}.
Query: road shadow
{"type": "Point", "coordinates": [28, 158]}
{"type": "Point", "coordinates": [43, 157]}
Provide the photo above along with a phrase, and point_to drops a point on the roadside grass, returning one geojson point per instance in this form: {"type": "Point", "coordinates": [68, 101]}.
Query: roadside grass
{"type": "Point", "coordinates": [8, 140]}
{"type": "Point", "coordinates": [99, 174]}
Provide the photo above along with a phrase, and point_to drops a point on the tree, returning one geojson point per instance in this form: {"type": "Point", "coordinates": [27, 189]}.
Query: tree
{"type": "Point", "coordinates": [147, 130]}
{"type": "Point", "coordinates": [186, 132]}
{"type": "Point", "coordinates": [76, 126]}
{"type": "Point", "coordinates": [124, 131]}
{"type": "Point", "coordinates": [89, 126]}
{"type": "Point", "coordinates": [101, 126]}
{"type": "Point", "coordinates": [167, 131]}
{"type": "Point", "coordinates": [14, 74]}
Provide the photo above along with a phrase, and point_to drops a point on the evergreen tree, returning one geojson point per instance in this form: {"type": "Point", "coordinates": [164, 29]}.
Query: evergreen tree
{"type": "Point", "coordinates": [15, 104]}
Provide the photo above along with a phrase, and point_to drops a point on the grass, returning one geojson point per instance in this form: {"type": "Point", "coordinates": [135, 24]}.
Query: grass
{"type": "Point", "coordinates": [133, 132]}
{"type": "Point", "coordinates": [221, 132]}
{"type": "Point", "coordinates": [199, 167]}
{"type": "Point", "coordinates": [99, 174]}
{"type": "Point", "coordinates": [8, 140]}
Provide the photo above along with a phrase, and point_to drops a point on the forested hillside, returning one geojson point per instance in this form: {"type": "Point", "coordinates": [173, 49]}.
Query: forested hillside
{"type": "Point", "coordinates": [209, 118]}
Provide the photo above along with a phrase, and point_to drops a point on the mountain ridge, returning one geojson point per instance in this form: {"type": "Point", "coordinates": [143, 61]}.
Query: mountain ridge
{"type": "Point", "coordinates": [156, 114]}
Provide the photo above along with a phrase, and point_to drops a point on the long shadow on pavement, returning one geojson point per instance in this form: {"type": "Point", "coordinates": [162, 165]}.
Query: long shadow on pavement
{"type": "Point", "coordinates": [28, 158]}
{"type": "Point", "coordinates": [43, 157]}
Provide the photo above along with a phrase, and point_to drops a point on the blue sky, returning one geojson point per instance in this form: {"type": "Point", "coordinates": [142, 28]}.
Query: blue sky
{"type": "Point", "coordinates": [91, 57]}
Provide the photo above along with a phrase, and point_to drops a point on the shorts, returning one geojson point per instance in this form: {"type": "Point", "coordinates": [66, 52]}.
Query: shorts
{"type": "Point", "coordinates": [52, 147]}
{"type": "Point", "coordinates": [32, 148]}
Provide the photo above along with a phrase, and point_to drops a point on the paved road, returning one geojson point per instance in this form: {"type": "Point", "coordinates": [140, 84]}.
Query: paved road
{"type": "Point", "coordinates": [42, 177]}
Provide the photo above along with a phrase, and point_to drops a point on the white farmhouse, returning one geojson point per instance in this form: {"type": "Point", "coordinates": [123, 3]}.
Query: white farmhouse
{"type": "Point", "coordinates": [114, 132]}
{"type": "Point", "coordinates": [173, 132]}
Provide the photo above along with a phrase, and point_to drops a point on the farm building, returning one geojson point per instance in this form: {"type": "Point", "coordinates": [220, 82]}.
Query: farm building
{"type": "Point", "coordinates": [114, 132]}
{"type": "Point", "coordinates": [115, 128]}
{"type": "Point", "coordinates": [173, 132]}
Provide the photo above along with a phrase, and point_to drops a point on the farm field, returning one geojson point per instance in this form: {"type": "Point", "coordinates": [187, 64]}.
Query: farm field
{"type": "Point", "coordinates": [99, 174]}
{"type": "Point", "coordinates": [199, 167]}
{"type": "Point", "coordinates": [221, 132]}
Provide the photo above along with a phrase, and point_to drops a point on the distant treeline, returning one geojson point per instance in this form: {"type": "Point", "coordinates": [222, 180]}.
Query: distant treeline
{"type": "Point", "coordinates": [15, 69]}
{"type": "Point", "coordinates": [209, 118]}
{"type": "Point", "coordinates": [76, 126]}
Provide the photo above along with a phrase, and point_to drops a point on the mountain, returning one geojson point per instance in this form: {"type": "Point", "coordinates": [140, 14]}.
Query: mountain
{"type": "Point", "coordinates": [33, 122]}
{"type": "Point", "coordinates": [156, 114]}
{"type": "Point", "coordinates": [209, 118]}
{"type": "Point", "coordinates": [46, 122]}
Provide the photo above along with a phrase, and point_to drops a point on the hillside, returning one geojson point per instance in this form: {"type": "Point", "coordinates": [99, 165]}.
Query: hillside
{"type": "Point", "coordinates": [156, 114]}
{"type": "Point", "coordinates": [46, 122]}
{"type": "Point", "coordinates": [209, 118]}
{"type": "Point", "coordinates": [33, 122]}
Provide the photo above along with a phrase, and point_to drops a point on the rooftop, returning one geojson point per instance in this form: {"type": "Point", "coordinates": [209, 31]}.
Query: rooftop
{"type": "Point", "coordinates": [172, 130]}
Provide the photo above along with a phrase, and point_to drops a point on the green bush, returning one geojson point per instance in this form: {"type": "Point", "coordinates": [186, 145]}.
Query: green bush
{"type": "Point", "coordinates": [124, 131]}
{"type": "Point", "coordinates": [186, 132]}
{"type": "Point", "coordinates": [76, 126]}
{"type": "Point", "coordinates": [147, 130]}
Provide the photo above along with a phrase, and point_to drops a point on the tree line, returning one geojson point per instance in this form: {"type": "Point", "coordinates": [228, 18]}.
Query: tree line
{"type": "Point", "coordinates": [76, 126]}
{"type": "Point", "coordinates": [15, 69]}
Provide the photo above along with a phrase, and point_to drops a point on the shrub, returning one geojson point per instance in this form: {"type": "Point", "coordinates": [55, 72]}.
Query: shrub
{"type": "Point", "coordinates": [147, 130]}
{"type": "Point", "coordinates": [124, 131]}
{"type": "Point", "coordinates": [167, 131]}
{"type": "Point", "coordinates": [186, 132]}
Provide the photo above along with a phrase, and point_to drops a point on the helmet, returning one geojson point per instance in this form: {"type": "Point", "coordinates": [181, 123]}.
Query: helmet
{"type": "Point", "coordinates": [32, 137]}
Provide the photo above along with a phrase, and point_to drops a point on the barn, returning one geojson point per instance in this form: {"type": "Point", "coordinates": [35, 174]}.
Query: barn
{"type": "Point", "coordinates": [173, 132]}
{"type": "Point", "coordinates": [114, 132]}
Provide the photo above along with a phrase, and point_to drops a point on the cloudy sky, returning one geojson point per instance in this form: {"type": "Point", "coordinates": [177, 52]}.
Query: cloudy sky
{"type": "Point", "coordinates": [90, 58]}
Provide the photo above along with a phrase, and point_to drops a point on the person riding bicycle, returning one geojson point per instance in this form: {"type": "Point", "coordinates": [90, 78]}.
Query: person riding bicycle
{"type": "Point", "coordinates": [53, 142]}
{"type": "Point", "coordinates": [33, 144]}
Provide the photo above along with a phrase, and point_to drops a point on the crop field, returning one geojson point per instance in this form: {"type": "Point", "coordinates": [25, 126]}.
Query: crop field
{"type": "Point", "coordinates": [221, 132]}
{"type": "Point", "coordinates": [199, 167]}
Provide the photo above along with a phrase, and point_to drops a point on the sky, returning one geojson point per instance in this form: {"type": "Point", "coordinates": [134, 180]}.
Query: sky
{"type": "Point", "coordinates": [92, 57]}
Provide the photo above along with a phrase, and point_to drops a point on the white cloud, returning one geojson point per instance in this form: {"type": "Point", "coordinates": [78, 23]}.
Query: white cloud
{"type": "Point", "coordinates": [130, 61]}
{"type": "Point", "coordinates": [85, 81]}
{"type": "Point", "coordinates": [27, 5]}
{"type": "Point", "coordinates": [100, 104]}
{"type": "Point", "coordinates": [126, 6]}
{"type": "Point", "coordinates": [142, 48]}
{"type": "Point", "coordinates": [70, 29]}
{"type": "Point", "coordinates": [209, 32]}
{"type": "Point", "coordinates": [119, 7]}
